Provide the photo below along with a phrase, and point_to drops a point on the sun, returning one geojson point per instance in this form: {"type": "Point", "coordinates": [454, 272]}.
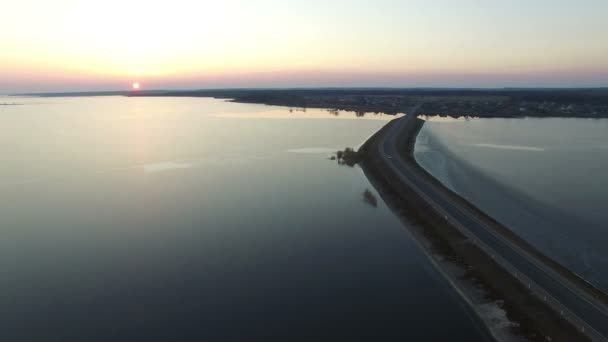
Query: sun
{"type": "Point", "coordinates": [136, 85]}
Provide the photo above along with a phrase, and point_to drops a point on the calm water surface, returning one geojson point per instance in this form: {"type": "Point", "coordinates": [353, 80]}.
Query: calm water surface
{"type": "Point", "coordinates": [142, 219]}
{"type": "Point", "coordinates": [544, 178]}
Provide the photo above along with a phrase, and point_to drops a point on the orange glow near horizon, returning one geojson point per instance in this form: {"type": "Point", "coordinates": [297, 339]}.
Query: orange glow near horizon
{"type": "Point", "coordinates": [136, 85]}
{"type": "Point", "coordinates": [82, 45]}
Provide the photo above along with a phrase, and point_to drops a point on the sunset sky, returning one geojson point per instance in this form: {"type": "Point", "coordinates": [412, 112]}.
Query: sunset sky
{"type": "Point", "coordinates": [61, 45]}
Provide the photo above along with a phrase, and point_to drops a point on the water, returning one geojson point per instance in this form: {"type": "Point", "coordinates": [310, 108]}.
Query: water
{"type": "Point", "coordinates": [544, 178]}
{"type": "Point", "coordinates": [143, 219]}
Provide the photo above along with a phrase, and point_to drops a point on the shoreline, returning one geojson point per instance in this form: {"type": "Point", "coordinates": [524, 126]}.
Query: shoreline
{"type": "Point", "coordinates": [488, 287]}
{"type": "Point", "coordinates": [586, 102]}
{"type": "Point", "coordinates": [590, 103]}
{"type": "Point", "coordinates": [487, 103]}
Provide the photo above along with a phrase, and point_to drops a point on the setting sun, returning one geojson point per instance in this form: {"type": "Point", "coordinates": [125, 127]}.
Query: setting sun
{"type": "Point", "coordinates": [135, 85]}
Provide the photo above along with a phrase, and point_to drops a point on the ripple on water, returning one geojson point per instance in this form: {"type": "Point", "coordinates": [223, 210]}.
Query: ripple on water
{"type": "Point", "coordinates": [313, 150]}
{"type": "Point", "coordinates": [166, 166]}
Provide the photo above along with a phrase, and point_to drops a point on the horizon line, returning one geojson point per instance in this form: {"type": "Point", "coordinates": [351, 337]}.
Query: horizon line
{"type": "Point", "coordinates": [128, 91]}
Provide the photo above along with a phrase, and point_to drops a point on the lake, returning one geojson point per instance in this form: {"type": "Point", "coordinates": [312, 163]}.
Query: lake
{"type": "Point", "coordinates": [543, 178]}
{"type": "Point", "coordinates": [158, 219]}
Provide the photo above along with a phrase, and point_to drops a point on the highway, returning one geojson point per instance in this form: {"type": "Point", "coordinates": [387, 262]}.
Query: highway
{"type": "Point", "coordinates": [591, 317]}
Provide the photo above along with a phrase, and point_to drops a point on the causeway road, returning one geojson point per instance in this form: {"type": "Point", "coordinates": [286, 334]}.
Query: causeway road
{"type": "Point", "coordinates": [592, 317]}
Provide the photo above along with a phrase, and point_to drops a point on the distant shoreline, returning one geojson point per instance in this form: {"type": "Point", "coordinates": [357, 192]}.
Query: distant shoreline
{"type": "Point", "coordinates": [452, 103]}
{"type": "Point", "coordinates": [467, 102]}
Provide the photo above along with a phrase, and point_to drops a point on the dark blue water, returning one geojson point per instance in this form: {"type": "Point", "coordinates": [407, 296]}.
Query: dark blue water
{"type": "Point", "coordinates": [199, 220]}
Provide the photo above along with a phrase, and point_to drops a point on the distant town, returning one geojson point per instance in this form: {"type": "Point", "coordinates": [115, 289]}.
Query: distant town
{"type": "Point", "coordinates": [587, 103]}
{"type": "Point", "coordinates": [509, 103]}
{"type": "Point", "coordinates": [482, 104]}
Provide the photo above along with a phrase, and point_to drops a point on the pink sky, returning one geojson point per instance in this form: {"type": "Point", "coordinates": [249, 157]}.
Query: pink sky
{"type": "Point", "coordinates": [67, 45]}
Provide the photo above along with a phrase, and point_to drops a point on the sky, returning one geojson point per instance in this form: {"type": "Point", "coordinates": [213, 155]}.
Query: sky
{"type": "Point", "coordinates": [71, 45]}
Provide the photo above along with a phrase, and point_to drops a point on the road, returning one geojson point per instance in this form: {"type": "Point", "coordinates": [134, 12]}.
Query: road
{"type": "Point", "coordinates": [593, 317]}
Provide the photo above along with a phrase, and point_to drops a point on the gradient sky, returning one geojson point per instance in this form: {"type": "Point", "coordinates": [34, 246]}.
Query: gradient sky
{"type": "Point", "coordinates": [57, 45]}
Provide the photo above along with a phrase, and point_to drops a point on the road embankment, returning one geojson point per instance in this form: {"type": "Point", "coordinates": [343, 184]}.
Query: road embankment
{"type": "Point", "coordinates": [473, 272]}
